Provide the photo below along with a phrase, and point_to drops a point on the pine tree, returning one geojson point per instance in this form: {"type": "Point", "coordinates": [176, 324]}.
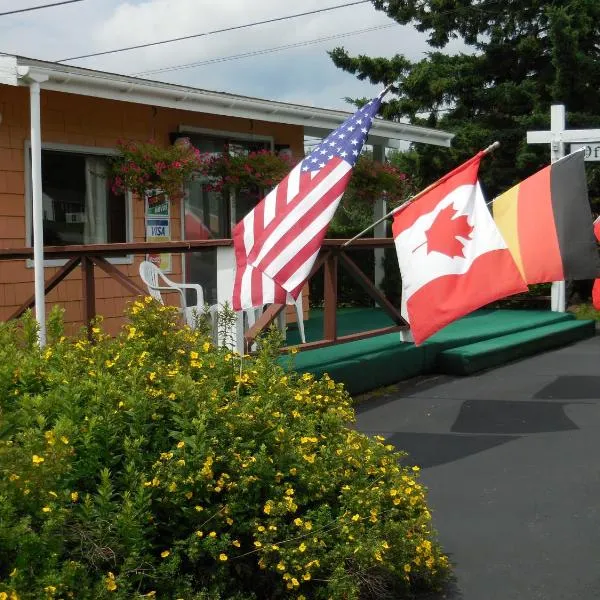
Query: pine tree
{"type": "Point", "coordinates": [523, 56]}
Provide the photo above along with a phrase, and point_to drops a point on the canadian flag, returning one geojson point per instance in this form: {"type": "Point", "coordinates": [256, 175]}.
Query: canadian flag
{"type": "Point", "coordinates": [452, 257]}
{"type": "Point", "coordinates": [596, 288]}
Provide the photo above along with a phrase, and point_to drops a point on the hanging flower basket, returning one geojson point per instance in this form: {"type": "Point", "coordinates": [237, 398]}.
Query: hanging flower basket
{"type": "Point", "coordinates": [261, 170]}
{"type": "Point", "coordinates": [144, 166]}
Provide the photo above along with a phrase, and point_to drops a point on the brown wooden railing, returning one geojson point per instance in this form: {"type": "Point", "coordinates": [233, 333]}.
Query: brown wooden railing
{"type": "Point", "coordinates": [333, 256]}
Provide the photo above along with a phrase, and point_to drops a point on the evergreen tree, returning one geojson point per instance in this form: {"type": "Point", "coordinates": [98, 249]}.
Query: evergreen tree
{"type": "Point", "coordinates": [522, 56]}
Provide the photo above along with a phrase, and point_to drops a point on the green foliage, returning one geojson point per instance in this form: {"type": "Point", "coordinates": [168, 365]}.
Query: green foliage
{"type": "Point", "coordinates": [586, 312]}
{"type": "Point", "coordinates": [155, 464]}
{"type": "Point", "coordinates": [519, 58]}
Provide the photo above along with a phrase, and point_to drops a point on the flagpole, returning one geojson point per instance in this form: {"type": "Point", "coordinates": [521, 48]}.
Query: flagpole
{"type": "Point", "coordinates": [430, 187]}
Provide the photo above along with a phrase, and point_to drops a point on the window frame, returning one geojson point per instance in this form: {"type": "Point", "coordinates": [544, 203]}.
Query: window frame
{"type": "Point", "coordinates": [72, 149]}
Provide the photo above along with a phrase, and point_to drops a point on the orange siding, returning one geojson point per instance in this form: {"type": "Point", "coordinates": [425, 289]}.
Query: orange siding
{"type": "Point", "coordinates": [86, 121]}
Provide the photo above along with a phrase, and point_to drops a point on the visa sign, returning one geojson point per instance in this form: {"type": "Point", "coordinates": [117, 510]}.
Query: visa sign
{"type": "Point", "coordinates": [157, 230]}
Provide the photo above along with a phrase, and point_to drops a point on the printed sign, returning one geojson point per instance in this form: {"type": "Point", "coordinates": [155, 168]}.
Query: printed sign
{"type": "Point", "coordinates": [157, 204]}
{"type": "Point", "coordinates": [159, 230]}
{"type": "Point", "coordinates": [592, 150]}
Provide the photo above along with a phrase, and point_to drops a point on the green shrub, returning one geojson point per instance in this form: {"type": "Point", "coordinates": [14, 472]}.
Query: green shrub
{"type": "Point", "coordinates": [155, 464]}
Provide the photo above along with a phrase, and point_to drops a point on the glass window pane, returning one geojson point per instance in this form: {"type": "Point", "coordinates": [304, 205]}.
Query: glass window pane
{"type": "Point", "coordinates": [78, 205]}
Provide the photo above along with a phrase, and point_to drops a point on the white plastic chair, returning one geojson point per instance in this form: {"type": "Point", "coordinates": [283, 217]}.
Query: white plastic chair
{"type": "Point", "coordinates": [156, 281]}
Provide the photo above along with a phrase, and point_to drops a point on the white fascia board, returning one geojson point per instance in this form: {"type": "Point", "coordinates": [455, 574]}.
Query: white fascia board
{"type": "Point", "coordinates": [315, 121]}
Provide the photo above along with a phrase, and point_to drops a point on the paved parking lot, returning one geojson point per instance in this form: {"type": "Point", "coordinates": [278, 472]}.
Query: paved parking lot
{"type": "Point", "coordinates": [511, 458]}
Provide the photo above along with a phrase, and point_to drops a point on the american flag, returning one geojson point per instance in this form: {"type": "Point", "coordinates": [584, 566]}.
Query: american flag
{"type": "Point", "coordinates": [277, 243]}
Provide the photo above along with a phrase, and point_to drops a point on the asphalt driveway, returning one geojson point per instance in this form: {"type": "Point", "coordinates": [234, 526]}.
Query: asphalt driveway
{"type": "Point", "coordinates": [511, 458]}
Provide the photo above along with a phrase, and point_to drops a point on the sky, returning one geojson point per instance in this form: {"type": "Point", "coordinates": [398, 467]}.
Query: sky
{"type": "Point", "coordinates": [303, 75]}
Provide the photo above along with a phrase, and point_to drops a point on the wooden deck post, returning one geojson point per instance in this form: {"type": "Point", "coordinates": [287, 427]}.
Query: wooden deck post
{"type": "Point", "coordinates": [330, 297]}
{"type": "Point", "coordinates": [88, 291]}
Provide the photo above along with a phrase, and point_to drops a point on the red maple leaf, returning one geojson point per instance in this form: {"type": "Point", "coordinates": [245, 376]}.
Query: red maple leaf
{"type": "Point", "coordinates": [444, 232]}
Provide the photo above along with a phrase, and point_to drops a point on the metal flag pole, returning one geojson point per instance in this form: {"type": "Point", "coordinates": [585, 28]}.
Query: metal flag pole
{"type": "Point", "coordinates": [430, 187]}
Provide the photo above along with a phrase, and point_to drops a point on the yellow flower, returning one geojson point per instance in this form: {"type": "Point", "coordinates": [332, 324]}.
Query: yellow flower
{"type": "Point", "coordinates": [267, 508]}
{"type": "Point", "coordinates": [416, 469]}
{"type": "Point", "coordinates": [257, 544]}
{"type": "Point", "coordinates": [110, 583]}
{"type": "Point", "coordinates": [306, 576]}
{"type": "Point", "coordinates": [74, 496]}
{"type": "Point", "coordinates": [96, 329]}
{"type": "Point", "coordinates": [194, 355]}
{"type": "Point", "coordinates": [164, 553]}
{"type": "Point", "coordinates": [151, 594]}
{"type": "Point", "coordinates": [152, 376]}
{"type": "Point", "coordinates": [293, 471]}
{"type": "Point", "coordinates": [36, 460]}
{"type": "Point", "coordinates": [309, 458]}
{"type": "Point", "coordinates": [261, 528]}
{"type": "Point", "coordinates": [298, 522]}
{"type": "Point", "coordinates": [53, 494]}
{"type": "Point", "coordinates": [377, 556]}
{"type": "Point", "coordinates": [188, 495]}
{"type": "Point", "coordinates": [14, 477]}
{"type": "Point", "coordinates": [308, 525]}
{"type": "Point", "coordinates": [407, 568]}
{"type": "Point", "coordinates": [212, 534]}
{"type": "Point", "coordinates": [229, 521]}
{"type": "Point", "coordinates": [302, 547]}
{"type": "Point", "coordinates": [295, 582]}
{"type": "Point", "coordinates": [223, 557]}
{"type": "Point", "coordinates": [355, 517]}
{"type": "Point", "coordinates": [236, 543]}
{"type": "Point", "coordinates": [3, 596]}
{"type": "Point", "coordinates": [181, 444]}
{"type": "Point", "coordinates": [13, 573]}
{"type": "Point", "coordinates": [46, 509]}
{"type": "Point", "coordinates": [206, 346]}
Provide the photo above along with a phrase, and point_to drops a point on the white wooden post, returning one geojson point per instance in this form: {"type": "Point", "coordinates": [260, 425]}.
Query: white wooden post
{"type": "Point", "coordinates": [234, 337]}
{"type": "Point", "coordinates": [558, 124]}
{"type": "Point", "coordinates": [37, 206]}
{"type": "Point", "coordinates": [380, 230]}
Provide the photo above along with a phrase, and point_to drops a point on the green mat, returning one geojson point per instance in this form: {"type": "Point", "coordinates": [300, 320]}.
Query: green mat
{"type": "Point", "coordinates": [383, 360]}
{"type": "Point", "coordinates": [471, 358]}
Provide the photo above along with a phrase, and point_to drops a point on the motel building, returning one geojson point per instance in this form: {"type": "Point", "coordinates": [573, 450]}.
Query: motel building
{"type": "Point", "coordinates": [68, 120]}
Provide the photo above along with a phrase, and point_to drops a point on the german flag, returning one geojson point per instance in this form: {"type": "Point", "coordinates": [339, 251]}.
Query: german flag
{"type": "Point", "coordinates": [547, 223]}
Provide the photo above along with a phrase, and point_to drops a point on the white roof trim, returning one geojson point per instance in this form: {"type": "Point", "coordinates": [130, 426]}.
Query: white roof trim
{"type": "Point", "coordinates": [316, 121]}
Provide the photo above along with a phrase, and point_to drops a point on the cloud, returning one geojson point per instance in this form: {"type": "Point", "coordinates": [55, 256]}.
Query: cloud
{"type": "Point", "coordinates": [304, 74]}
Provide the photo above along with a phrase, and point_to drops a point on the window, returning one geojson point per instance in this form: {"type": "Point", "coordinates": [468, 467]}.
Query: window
{"type": "Point", "coordinates": [79, 206]}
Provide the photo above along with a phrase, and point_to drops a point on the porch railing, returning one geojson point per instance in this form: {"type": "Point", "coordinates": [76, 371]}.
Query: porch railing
{"type": "Point", "coordinates": [333, 256]}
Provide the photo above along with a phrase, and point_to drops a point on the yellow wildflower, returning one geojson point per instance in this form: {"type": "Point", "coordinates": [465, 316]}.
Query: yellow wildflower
{"type": "Point", "coordinates": [302, 547]}
{"type": "Point", "coordinates": [236, 543]}
{"type": "Point", "coordinates": [298, 522]}
{"type": "Point", "coordinates": [180, 444]}
{"type": "Point", "coordinates": [110, 583]}
{"type": "Point", "coordinates": [407, 568]}
{"type": "Point", "coordinates": [257, 544]}
{"type": "Point", "coordinates": [46, 509]}
{"type": "Point", "coordinates": [165, 553]}
{"type": "Point", "coordinates": [14, 477]}
{"type": "Point", "coordinates": [222, 557]}
{"type": "Point", "coordinates": [355, 517]}
{"type": "Point", "coordinates": [36, 460]}
{"type": "Point", "coordinates": [212, 534]}
{"type": "Point", "coordinates": [199, 533]}
{"type": "Point", "coordinates": [306, 576]}
{"type": "Point", "coordinates": [74, 496]}
{"type": "Point", "coordinates": [50, 589]}
{"type": "Point", "coordinates": [206, 346]}
{"type": "Point", "coordinates": [229, 521]}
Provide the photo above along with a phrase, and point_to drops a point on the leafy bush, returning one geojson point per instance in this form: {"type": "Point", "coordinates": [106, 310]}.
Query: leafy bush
{"type": "Point", "coordinates": [155, 464]}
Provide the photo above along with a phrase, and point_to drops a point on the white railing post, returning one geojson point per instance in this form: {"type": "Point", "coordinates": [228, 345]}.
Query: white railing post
{"type": "Point", "coordinates": [234, 337]}
{"type": "Point", "coordinates": [38, 208]}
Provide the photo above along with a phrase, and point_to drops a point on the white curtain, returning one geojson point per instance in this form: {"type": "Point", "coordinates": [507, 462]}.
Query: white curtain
{"type": "Point", "coordinates": [95, 229]}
